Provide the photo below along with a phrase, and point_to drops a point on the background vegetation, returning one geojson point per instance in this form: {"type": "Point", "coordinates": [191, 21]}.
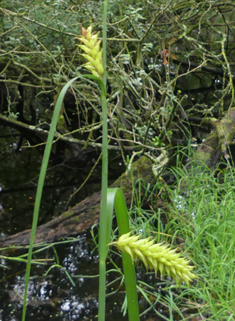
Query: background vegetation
{"type": "Point", "coordinates": [167, 62]}
{"type": "Point", "coordinates": [170, 67]}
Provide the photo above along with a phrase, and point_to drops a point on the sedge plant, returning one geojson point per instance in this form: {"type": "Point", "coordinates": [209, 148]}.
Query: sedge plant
{"type": "Point", "coordinates": [158, 256]}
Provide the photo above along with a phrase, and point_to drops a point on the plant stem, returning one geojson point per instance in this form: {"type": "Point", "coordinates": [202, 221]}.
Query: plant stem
{"type": "Point", "coordinates": [41, 181]}
{"type": "Point", "coordinates": [104, 40]}
{"type": "Point", "coordinates": [103, 234]}
{"type": "Point", "coordinates": [103, 216]}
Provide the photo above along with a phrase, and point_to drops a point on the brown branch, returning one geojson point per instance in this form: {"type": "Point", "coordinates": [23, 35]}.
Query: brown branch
{"type": "Point", "coordinates": [7, 121]}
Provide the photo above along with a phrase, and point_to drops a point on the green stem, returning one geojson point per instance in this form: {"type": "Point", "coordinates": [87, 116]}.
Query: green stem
{"type": "Point", "coordinates": [107, 214]}
{"type": "Point", "coordinates": [42, 174]}
{"type": "Point", "coordinates": [41, 180]}
{"type": "Point", "coordinates": [128, 266]}
{"type": "Point", "coordinates": [103, 233]}
{"type": "Point", "coordinates": [105, 40]}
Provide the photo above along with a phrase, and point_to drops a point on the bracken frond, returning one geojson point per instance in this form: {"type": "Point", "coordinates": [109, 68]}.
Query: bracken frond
{"type": "Point", "coordinates": [159, 257]}
{"type": "Point", "coordinates": [93, 53]}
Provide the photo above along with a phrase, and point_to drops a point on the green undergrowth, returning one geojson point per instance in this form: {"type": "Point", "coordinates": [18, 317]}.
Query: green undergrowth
{"type": "Point", "coordinates": [200, 220]}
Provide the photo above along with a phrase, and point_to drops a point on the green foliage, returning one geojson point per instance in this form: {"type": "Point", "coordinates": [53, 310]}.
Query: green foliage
{"type": "Point", "coordinates": [203, 218]}
{"type": "Point", "coordinates": [198, 216]}
{"type": "Point", "coordinates": [38, 50]}
{"type": "Point", "coordinates": [148, 102]}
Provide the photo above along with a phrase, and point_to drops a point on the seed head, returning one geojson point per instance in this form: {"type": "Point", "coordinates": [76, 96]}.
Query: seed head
{"type": "Point", "coordinates": [158, 257]}
{"type": "Point", "coordinates": [93, 53]}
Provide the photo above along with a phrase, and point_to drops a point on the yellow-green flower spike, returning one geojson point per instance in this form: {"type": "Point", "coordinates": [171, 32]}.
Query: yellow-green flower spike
{"type": "Point", "coordinates": [158, 257]}
{"type": "Point", "coordinates": [93, 53]}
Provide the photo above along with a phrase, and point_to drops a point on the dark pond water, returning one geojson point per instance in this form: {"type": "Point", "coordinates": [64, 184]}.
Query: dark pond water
{"type": "Point", "coordinates": [51, 293]}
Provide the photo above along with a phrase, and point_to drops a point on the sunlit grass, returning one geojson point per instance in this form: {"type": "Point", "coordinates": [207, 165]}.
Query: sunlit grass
{"type": "Point", "coordinates": [201, 222]}
{"type": "Point", "coordinates": [204, 218]}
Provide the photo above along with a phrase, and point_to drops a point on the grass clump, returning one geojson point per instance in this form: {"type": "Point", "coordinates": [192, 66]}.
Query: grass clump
{"type": "Point", "coordinates": [203, 220]}
{"type": "Point", "coordinates": [199, 219]}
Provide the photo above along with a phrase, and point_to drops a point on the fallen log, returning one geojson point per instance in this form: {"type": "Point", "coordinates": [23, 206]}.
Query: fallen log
{"type": "Point", "coordinates": [85, 214]}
